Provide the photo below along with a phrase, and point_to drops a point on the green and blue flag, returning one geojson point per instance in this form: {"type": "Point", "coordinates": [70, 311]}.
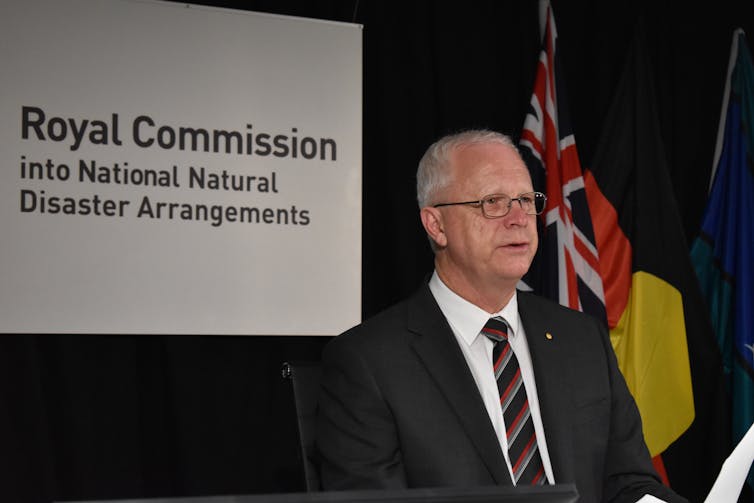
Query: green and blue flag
{"type": "Point", "coordinates": [723, 253]}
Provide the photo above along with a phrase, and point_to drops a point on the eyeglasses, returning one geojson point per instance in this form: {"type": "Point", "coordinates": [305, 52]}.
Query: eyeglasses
{"type": "Point", "coordinates": [499, 205]}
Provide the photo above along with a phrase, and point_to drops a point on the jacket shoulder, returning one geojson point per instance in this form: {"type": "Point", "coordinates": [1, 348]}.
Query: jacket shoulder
{"type": "Point", "coordinates": [529, 302]}
{"type": "Point", "coordinates": [394, 322]}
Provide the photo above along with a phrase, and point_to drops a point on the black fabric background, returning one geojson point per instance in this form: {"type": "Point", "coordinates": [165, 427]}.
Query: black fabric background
{"type": "Point", "coordinates": [96, 417]}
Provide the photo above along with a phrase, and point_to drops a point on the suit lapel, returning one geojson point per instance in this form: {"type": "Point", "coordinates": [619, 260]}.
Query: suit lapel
{"type": "Point", "coordinates": [547, 360]}
{"type": "Point", "coordinates": [438, 349]}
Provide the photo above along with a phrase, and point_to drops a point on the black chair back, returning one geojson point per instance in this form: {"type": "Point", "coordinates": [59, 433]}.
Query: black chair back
{"type": "Point", "coordinates": [305, 377]}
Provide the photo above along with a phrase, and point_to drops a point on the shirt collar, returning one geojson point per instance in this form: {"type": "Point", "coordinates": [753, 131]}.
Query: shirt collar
{"type": "Point", "coordinates": [466, 318]}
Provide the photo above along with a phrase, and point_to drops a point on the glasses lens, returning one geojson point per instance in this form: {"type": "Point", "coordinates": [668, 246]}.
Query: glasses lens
{"type": "Point", "coordinates": [496, 205]}
{"type": "Point", "coordinates": [539, 202]}
{"type": "Point", "coordinates": [527, 203]}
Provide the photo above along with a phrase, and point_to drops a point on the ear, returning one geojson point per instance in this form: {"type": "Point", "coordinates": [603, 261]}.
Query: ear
{"type": "Point", "coordinates": [434, 225]}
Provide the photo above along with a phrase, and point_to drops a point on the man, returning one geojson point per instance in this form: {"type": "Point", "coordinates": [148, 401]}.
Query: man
{"type": "Point", "coordinates": [411, 397]}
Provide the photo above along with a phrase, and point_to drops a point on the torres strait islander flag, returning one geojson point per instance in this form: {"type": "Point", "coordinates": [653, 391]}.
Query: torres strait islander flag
{"type": "Point", "coordinates": [723, 253]}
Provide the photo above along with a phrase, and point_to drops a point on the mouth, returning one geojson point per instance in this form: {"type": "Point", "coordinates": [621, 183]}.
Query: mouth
{"type": "Point", "coordinates": [517, 246]}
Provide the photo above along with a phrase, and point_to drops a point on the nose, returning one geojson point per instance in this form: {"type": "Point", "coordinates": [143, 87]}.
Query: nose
{"type": "Point", "coordinates": [516, 215]}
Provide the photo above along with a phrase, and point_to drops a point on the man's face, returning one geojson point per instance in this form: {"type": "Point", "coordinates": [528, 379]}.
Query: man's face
{"type": "Point", "coordinates": [480, 249]}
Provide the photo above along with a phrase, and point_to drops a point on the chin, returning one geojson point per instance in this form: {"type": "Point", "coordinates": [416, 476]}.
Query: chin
{"type": "Point", "coordinates": [513, 273]}
{"type": "Point", "coordinates": [514, 268]}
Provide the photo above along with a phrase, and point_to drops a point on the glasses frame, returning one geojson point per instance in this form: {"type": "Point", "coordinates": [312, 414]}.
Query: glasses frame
{"type": "Point", "coordinates": [480, 203]}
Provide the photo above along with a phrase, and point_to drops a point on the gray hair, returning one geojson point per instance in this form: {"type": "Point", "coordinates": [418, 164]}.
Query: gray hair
{"type": "Point", "coordinates": [433, 173]}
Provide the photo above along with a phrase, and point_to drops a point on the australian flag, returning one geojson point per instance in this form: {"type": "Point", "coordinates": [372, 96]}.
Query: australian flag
{"type": "Point", "coordinates": [566, 268]}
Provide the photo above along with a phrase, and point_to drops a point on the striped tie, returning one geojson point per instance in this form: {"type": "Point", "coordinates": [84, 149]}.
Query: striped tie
{"type": "Point", "coordinates": [522, 439]}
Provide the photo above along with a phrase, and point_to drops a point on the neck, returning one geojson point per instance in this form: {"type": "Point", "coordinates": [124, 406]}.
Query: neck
{"type": "Point", "coordinates": [491, 296]}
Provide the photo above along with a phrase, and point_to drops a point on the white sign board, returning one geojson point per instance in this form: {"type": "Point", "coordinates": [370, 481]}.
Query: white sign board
{"type": "Point", "coordinates": [175, 169]}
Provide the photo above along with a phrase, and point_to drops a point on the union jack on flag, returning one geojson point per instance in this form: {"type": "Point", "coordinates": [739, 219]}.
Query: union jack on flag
{"type": "Point", "coordinates": [566, 268]}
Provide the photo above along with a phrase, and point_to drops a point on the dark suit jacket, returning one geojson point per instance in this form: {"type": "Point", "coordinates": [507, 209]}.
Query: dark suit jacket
{"type": "Point", "coordinates": [399, 407]}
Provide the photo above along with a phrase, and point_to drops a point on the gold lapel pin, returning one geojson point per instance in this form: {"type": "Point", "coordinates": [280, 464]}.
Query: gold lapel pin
{"type": "Point", "coordinates": [549, 336]}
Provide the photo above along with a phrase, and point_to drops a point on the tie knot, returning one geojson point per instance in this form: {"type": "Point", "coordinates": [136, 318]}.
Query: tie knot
{"type": "Point", "coordinates": [495, 329]}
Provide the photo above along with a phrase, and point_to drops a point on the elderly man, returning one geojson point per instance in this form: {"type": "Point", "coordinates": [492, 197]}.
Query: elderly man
{"type": "Point", "coordinates": [470, 382]}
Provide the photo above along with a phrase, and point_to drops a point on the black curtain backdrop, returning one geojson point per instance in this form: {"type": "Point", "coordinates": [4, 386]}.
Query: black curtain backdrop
{"type": "Point", "coordinates": [99, 417]}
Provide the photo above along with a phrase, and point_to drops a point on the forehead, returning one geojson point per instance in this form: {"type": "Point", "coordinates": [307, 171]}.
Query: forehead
{"type": "Point", "coordinates": [490, 167]}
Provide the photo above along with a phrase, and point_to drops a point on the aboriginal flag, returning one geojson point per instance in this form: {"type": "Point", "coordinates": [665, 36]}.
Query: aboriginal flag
{"type": "Point", "coordinates": [658, 323]}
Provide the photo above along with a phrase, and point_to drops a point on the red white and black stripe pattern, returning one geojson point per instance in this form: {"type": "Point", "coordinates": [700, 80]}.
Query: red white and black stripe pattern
{"type": "Point", "coordinates": [523, 450]}
{"type": "Point", "coordinates": [566, 268]}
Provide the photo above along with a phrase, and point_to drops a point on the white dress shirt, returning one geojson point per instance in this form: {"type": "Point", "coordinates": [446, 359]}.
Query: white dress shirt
{"type": "Point", "coordinates": [467, 320]}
